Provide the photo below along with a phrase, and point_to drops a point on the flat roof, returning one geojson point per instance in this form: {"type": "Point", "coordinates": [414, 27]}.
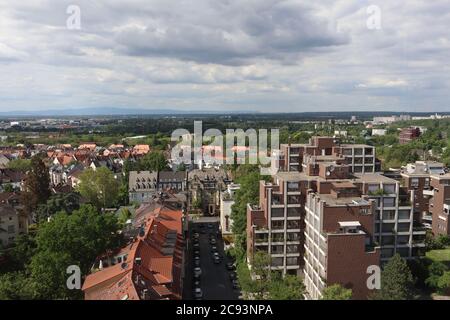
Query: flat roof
{"type": "Point", "coordinates": [343, 201]}
{"type": "Point", "coordinates": [374, 177]}
{"type": "Point", "coordinates": [356, 145]}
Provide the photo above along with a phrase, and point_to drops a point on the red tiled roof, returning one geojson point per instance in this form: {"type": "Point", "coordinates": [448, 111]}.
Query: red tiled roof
{"type": "Point", "coordinates": [157, 268]}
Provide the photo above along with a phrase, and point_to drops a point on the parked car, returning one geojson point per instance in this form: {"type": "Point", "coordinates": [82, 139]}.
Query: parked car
{"type": "Point", "coordinates": [216, 259]}
{"type": "Point", "coordinates": [233, 276]}
{"type": "Point", "coordinates": [213, 241]}
{"type": "Point", "coordinates": [198, 294]}
{"type": "Point", "coordinates": [198, 271]}
{"type": "Point", "coordinates": [210, 226]}
{"type": "Point", "coordinates": [196, 245]}
{"type": "Point", "coordinates": [235, 284]}
{"type": "Point", "coordinates": [213, 249]}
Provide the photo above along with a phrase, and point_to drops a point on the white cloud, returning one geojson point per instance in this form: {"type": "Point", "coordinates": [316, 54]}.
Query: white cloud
{"type": "Point", "coordinates": [291, 55]}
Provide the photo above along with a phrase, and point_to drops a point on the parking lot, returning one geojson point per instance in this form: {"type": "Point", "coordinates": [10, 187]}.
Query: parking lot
{"type": "Point", "coordinates": [215, 282]}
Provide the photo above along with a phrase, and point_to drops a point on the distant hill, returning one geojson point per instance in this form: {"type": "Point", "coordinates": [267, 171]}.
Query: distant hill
{"type": "Point", "coordinates": [106, 111]}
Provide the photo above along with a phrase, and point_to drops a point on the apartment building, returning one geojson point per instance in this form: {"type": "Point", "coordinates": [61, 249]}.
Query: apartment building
{"type": "Point", "coordinates": [150, 266]}
{"type": "Point", "coordinates": [440, 203]}
{"type": "Point", "coordinates": [12, 221]}
{"type": "Point", "coordinates": [417, 176]}
{"type": "Point", "coordinates": [430, 182]}
{"type": "Point", "coordinates": [396, 230]}
{"type": "Point", "coordinates": [143, 186]}
{"type": "Point", "coordinates": [276, 226]}
{"type": "Point", "coordinates": [318, 221]}
{"type": "Point", "coordinates": [361, 158]}
{"type": "Point", "coordinates": [226, 204]}
{"type": "Point", "coordinates": [339, 244]}
{"type": "Point", "coordinates": [409, 134]}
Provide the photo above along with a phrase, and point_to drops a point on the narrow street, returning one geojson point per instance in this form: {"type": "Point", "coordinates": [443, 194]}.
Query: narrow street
{"type": "Point", "coordinates": [215, 279]}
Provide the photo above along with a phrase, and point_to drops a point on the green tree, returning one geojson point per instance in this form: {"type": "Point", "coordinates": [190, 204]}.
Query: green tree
{"type": "Point", "coordinates": [37, 185]}
{"type": "Point", "coordinates": [22, 252]}
{"type": "Point", "coordinates": [22, 165]}
{"type": "Point", "coordinates": [67, 202]}
{"type": "Point", "coordinates": [247, 194]}
{"type": "Point", "coordinates": [336, 292]}
{"type": "Point", "coordinates": [154, 161]}
{"type": "Point", "coordinates": [75, 239]}
{"type": "Point", "coordinates": [289, 287]}
{"type": "Point", "coordinates": [124, 215]}
{"type": "Point", "coordinates": [99, 187]}
{"type": "Point", "coordinates": [443, 284]}
{"type": "Point", "coordinates": [396, 280]}
{"type": "Point", "coordinates": [15, 286]}
{"type": "Point", "coordinates": [435, 271]}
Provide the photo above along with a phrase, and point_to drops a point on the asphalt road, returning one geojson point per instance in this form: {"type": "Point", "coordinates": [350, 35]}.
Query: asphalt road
{"type": "Point", "coordinates": [215, 280]}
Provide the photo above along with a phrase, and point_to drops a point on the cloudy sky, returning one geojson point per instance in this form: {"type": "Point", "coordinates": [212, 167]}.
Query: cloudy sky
{"type": "Point", "coordinates": [261, 55]}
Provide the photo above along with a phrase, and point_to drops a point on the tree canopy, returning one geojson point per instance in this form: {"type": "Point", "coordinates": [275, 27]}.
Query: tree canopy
{"type": "Point", "coordinates": [99, 187]}
{"type": "Point", "coordinates": [396, 280]}
{"type": "Point", "coordinates": [336, 292]}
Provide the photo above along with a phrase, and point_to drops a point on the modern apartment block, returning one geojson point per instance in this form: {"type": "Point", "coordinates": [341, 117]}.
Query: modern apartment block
{"type": "Point", "coordinates": [440, 203]}
{"type": "Point", "coordinates": [360, 158]}
{"type": "Point", "coordinates": [432, 193]}
{"type": "Point", "coordinates": [339, 245]}
{"type": "Point", "coordinates": [276, 226]}
{"type": "Point", "coordinates": [327, 223]}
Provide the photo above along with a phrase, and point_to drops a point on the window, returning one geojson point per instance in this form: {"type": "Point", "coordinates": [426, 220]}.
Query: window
{"type": "Point", "coordinates": [389, 202]}
{"type": "Point", "coordinates": [403, 227]}
{"type": "Point", "coordinates": [388, 227]}
{"type": "Point", "coordinates": [293, 236]}
{"type": "Point", "coordinates": [414, 182]}
{"type": "Point", "coordinates": [402, 240]}
{"type": "Point", "coordinates": [292, 248]}
{"type": "Point", "coordinates": [277, 249]}
{"type": "Point", "coordinates": [277, 237]}
{"type": "Point", "coordinates": [427, 182]}
{"type": "Point", "coordinates": [293, 224]}
{"type": "Point", "coordinates": [293, 212]}
{"type": "Point", "coordinates": [277, 262]}
{"type": "Point", "coordinates": [389, 188]}
{"type": "Point", "coordinates": [292, 261]}
{"type": "Point", "coordinates": [347, 152]}
{"type": "Point", "coordinates": [388, 215]}
{"type": "Point", "coordinates": [293, 200]}
{"type": "Point", "coordinates": [278, 212]}
{"type": "Point", "coordinates": [277, 225]}
{"type": "Point", "coordinates": [293, 186]}
{"type": "Point", "coordinates": [404, 214]}
{"type": "Point", "coordinates": [387, 240]}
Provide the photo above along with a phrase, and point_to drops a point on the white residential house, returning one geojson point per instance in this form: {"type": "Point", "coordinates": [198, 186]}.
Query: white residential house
{"type": "Point", "coordinates": [226, 202]}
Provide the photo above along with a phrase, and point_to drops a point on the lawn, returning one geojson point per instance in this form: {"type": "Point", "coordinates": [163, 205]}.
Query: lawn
{"type": "Point", "coordinates": [442, 255]}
